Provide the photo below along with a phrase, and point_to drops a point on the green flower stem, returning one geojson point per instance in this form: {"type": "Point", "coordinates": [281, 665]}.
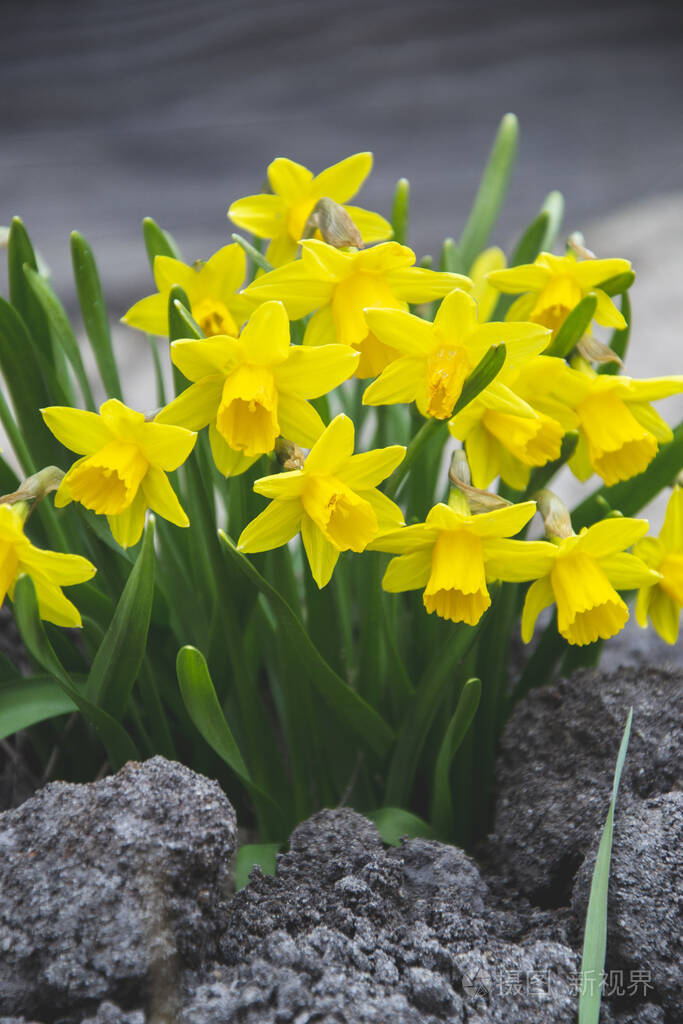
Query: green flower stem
{"type": "Point", "coordinates": [429, 429]}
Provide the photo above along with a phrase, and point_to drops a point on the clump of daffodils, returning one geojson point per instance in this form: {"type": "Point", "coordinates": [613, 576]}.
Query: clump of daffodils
{"type": "Point", "coordinates": [281, 512]}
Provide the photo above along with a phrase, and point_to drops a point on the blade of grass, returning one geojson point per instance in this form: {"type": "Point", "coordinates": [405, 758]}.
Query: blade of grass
{"type": "Point", "coordinates": [441, 813]}
{"type": "Point", "coordinates": [94, 312]}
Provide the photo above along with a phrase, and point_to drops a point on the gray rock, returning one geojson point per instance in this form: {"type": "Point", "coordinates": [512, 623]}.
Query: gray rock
{"type": "Point", "coordinates": [109, 1013]}
{"type": "Point", "coordinates": [644, 924]}
{"type": "Point", "coordinates": [107, 888]}
{"type": "Point", "coordinates": [556, 764]}
{"type": "Point", "coordinates": [347, 931]}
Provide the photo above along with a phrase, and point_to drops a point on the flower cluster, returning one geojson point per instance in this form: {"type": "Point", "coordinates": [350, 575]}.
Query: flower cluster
{"type": "Point", "coordinates": [270, 358]}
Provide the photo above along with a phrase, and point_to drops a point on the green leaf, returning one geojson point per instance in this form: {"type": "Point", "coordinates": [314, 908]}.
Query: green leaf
{"type": "Point", "coordinates": [486, 370]}
{"type": "Point", "coordinates": [21, 368]}
{"type": "Point", "coordinates": [619, 284]}
{"type": "Point", "coordinates": [251, 854]}
{"type": "Point", "coordinates": [492, 190]}
{"type": "Point", "coordinates": [158, 242]}
{"type": "Point", "coordinates": [116, 665]}
{"type": "Point", "coordinates": [94, 312]}
{"type": "Point", "coordinates": [629, 496]}
{"type": "Point", "coordinates": [450, 259]}
{"type": "Point", "coordinates": [183, 323]}
{"type": "Point", "coordinates": [441, 814]}
{"type": "Point", "coordinates": [400, 211]}
{"type": "Point", "coordinates": [29, 700]}
{"type": "Point", "coordinates": [252, 252]}
{"type": "Point", "coordinates": [60, 330]}
{"type": "Point", "coordinates": [574, 327]}
{"type": "Point", "coordinates": [553, 205]}
{"type": "Point", "coordinates": [118, 744]}
{"type": "Point", "coordinates": [350, 709]}
{"type": "Point", "coordinates": [595, 934]}
{"type": "Point", "coordinates": [203, 707]}
{"type": "Point", "coordinates": [393, 823]}
{"type": "Point", "coordinates": [19, 254]}
{"type": "Point", "coordinates": [620, 339]}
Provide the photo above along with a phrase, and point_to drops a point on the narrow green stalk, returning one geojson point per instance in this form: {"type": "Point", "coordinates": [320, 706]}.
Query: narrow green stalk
{"type": "Point", "coordinates": [429, 429]}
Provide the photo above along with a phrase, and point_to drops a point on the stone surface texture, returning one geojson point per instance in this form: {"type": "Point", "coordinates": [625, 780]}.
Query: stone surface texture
{"type": "Point", "coordinates": [107, 887]}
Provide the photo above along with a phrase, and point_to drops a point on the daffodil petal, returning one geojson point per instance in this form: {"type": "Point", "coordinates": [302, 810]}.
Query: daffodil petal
{"type": "Point", "coordinates": [372, 226]}
{"type": "Point", "coordinates": [299, 421]}
{"type": "Point", "coordinates": [590, 273]}
{"type": "Point", "coordinates": [321, 553]}
{"type": "Point", "coordinates": [456, 317]}
{"type": "Point", "coordinates": [199, 359]}
{"type": "Point", "coordinates": [368, 469]}
{"type": "Point", "coordinates": [538, 597]}
{"type": "Point", "coordinates": [526, 278]}
{"type": "Point", "coordinates": [410, 335]}
{"type": "Point", "coordinates": [671, 534]}
{"type": "Point", "coordinates": [289, 179]}
{"type": "Point", "coordinates": [320, 329]}
{"type": "Point", "coordinates": [482, 455]}
{"type": "Point", "coordinates": [263, 215]}
{"type": "Point", "coordinates": [169, 272]}
{"type": "Point", "coordinates": [300, 292]}
{"type": "Point", "coordinates": [521, 308]}
{"type": "Point", "coordinates": [275, 526]}
{"type": "Point", "coordinates": [626, 572]}
{"type": "Point", "coordinates": [166, 446]}
{"type": "Point", "coordinates": [606, 313]}
{"type": "Point", "coordinates": [313, 371]}
{"type": "Point", "coordinates": [149, 314]}
{"type": "Point", "coordinates": [400, 381]}
{"type": "Point", "coordinates": [517, 561]}
{"type": "Point", "coordinates": [418, 537]}
{"type": "Point", "coordinates": [580, 462]}
{"type": "Point", "coordinates": [282, 249]}
{"type": "Point", "coordinates": [226, 270]}
{"type": "Point", "coordinates": [161, 497]}
{"type": "Point", "coordinates": [504, 522]}
{"type": "Point", "coordinates": [53, 606]}
{"type": "Point", "coordinates": [324, 260]}
{"type": "Point", "coordinates": [281, 485]}
{"type": "Point", "coordinates": [127, 527]}
{"type": "Point", "coordinates": [342, 180]}
{"type": "Point", "coordinates": [652, 421]}
{"type": "Point", "coordinates": [408, 572]}
{"type": "Point", "coordinates": [653, 388]}
{"type": "Point", "coordinates": [417, 284]}
{"type": "Point", "coordinates": [196, 406]}
{"type": "Point", "coordinates": [62, 569]}
{"type": "Point", "coordinates": [611, 535]}
{"type": "Point", "coordinates": [266, 337]}
{"type": "Point", "coordinates": [386, 511]}
{"type": "Point", "coordinates": [523, 341]}
{"type": "Point", "coordinates": [333, 448]}
{"type": "Point", "coordinates": [665, 615]}
{"type": "Point", "coordinates": [228, 461]}
{"type": "Point", "coordinates": [82, 432]}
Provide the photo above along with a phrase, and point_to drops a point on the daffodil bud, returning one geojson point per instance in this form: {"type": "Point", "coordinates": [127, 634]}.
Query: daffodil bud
{"type": "Point", "coordinates": [35, 487]}
{"type": "Point", "coordinates": [334, 224]}
{"type": "Point", "coordinates": [477, 501]}
{"type": "Point", "coordinates": [555, 514]}
{"type": "Point", "coordinates": [595, 351]}
{"type": "Point", "coordinates": [289, 454]}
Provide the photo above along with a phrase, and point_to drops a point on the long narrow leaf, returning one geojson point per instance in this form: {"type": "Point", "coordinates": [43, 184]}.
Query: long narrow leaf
{"type": "Point", "coordinates": [117, 662]}
{"type": "Point", "coordinates": [492, 190]}
{"type": "Point", "coordinates": [29, 700]}
{"type": "Point", "coordinates": [350, 709]}
{"type": "Point", "coordinates": [60, 330]}
{"type": "Point", "coordinates": [158, 242]}
{"type": "Point", "coordinates": [441, 814]}
{"type": "Point", "coordinates": [20, 254]}
{"type": "Point", "coordinates": [254, 255]}
{"type": "Point", "coordinates": [573, 328]}
{"type": "Point", "coordinates": [94, 312]}
{"type": "Point", "coordinates": [620, 339]}
{"type": "Point", "coordinates": [595, 934]}
{"type": "Point", "coordinates": [118, 744]}
{"type": "Point", "coordinates": [400, 211]}
{"type": "Point", "coordinates": [393, 823]}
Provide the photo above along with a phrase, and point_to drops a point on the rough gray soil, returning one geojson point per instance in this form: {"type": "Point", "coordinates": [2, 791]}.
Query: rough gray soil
{"type": "Point", "coordinates": [116, 910]}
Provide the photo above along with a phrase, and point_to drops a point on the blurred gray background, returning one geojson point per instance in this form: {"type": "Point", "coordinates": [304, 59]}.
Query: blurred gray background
{"type": "Point", "coordinates": [111, 111]}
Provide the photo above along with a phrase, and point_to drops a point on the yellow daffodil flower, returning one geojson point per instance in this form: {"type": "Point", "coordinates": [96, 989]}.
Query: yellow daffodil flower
{"type": "Point", "coordinates": [554, 285]}
{"type": "Point", "coordinates": [448, 556]}
{"type": "Point", "coordinates": [661, 601]}
{"type": "Point", "coordinates": [282, 215]}
{"type": "Point", "coordinates": [252, 389]}
{"type": "Point", "coordinates": [581, 575]}
{"type": "Point", "coordinates": [49, 570]}
{"type": "Point", "coordinates": [509, 440]}
{"type": "Point", "coordinates": [123, 471]}
{"type": "Point", "coordinates": [210, 287]}
{"type": "Point", "coordinates": [619, 431]}
{"type": "Point", "coordinates": [333, 501]}
{"type": "Point", "coordinates": [435, 358]}
{"type": "Point", "coordinates": [342, 285]}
